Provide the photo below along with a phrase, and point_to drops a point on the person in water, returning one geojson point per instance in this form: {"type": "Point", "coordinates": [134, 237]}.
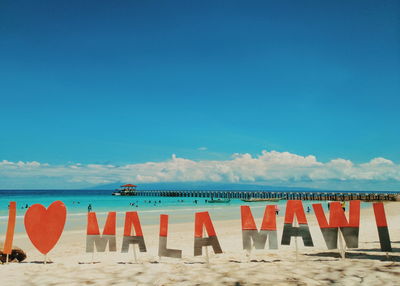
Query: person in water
{"type": "Point", "coordinates": [89, 208]}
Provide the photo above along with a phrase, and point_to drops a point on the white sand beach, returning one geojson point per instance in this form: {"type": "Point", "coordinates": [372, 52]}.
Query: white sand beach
{"type": "Point", "coordinates": [71, 265]}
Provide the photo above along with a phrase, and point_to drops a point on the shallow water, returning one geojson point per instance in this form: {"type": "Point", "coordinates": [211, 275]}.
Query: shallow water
{"type": "Point", "coordinates": [149, 208]}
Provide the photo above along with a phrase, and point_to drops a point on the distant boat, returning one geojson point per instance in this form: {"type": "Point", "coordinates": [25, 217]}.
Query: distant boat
{"type": "Point", "coordinates": [219, 201]}
{"type": "Point", "coordinates": [252, 200]}
{"type": "Point", "coordinates": [126, 190]}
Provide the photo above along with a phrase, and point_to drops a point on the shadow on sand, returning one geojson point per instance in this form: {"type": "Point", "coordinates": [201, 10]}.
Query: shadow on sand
{"type": "Point", "coordinates": [357, 255]}
{"type": "Point", "coordinates": [38, 262]}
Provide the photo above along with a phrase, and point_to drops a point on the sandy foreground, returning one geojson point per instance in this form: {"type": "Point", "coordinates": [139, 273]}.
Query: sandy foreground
{"type": "Point", "coordinates": [71, 265]}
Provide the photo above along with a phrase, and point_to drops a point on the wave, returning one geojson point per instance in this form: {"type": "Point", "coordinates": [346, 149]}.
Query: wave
{"type": "Point", "coordinates": [141, 211]}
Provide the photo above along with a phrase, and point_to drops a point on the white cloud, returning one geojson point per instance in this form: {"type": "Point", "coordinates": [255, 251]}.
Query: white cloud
{"type": "Point", "coordinates": [273, 166]}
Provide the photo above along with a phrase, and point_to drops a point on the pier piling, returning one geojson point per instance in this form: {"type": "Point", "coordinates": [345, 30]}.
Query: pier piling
{"type": "Point", "coordinates": [284, 195]}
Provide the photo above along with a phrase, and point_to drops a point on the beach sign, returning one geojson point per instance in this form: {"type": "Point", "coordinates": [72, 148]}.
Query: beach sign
{"type": "Point", "coordinates": [162, 243]}
{"type": "Point", "coordinates": [45, 226]}
{"type": "Point", "coordinates": [295, 215]}
{"type": "Point", "coordinates": [93, 237]}
{"type": "Point", "coordinates": [12, 214]}
{"type": "Point", "coordinates": [250, 232]}
{"type": "Point", "coordinates": [338, 221]}
{"type": "Point", "coordinates": [203, 222]}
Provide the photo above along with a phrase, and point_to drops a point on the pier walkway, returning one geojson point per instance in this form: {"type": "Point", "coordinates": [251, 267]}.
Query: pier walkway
{"type": "Point", "coordinates": [283, 195]}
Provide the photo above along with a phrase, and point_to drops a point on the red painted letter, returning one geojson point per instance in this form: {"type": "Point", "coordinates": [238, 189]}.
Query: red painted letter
{"type": "Point", "coordinates": [337, 219]}
{"type": "Point", "coordinates": [162, 244]}
{"type": "Point", "coordinates": [203, 219]}
{"type": "Point", "coordinates": [12, 213]}
{"type": "Point", "coordinates": [93, 233]}
{"type": "Point", "coordinates": [250, 231]}
{"type": "Point", "coordinates": [132, 218]}
{"type": "Point", "coordinates": [382, 226]}
{"type": "Point", "coordinates": [295, 208]}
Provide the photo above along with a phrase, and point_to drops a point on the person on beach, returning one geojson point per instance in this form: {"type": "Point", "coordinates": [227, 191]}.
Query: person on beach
{"type": "Point", "coordinates": [343, 205]}
{"type": "Point", "coordinates": [276, 209]}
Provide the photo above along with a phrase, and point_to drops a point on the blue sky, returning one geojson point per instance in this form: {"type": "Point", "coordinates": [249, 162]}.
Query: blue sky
{"type": "Point", "coordinates": [128, 82]}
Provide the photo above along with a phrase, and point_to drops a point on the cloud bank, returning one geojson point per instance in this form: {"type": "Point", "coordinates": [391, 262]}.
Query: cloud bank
{"type": "Point", "coordinates": [279, 168]}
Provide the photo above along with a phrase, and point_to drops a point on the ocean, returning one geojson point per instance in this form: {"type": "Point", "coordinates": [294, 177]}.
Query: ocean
{"type": "Point", "coordinates": [149, 208]}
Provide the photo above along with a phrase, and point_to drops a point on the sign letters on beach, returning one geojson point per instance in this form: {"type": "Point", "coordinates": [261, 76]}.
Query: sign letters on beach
{"type": "Point", "coordinates": [44, 227]}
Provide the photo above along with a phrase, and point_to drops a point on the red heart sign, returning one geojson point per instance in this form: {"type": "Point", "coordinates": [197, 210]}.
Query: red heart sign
{"type": "Point", "coordinates": [44, 227]}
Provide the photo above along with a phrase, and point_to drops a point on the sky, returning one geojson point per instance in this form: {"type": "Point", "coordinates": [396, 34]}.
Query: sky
{"type": "Point", "coordinates": [296, 93]}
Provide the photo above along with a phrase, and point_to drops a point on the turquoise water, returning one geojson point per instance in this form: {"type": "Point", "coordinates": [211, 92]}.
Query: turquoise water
{"type": "Point", "coordinates": [149, 208]}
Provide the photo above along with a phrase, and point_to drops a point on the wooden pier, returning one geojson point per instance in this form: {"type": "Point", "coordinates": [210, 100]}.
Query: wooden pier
{"type": "Point", "coordinates": [283, 195]}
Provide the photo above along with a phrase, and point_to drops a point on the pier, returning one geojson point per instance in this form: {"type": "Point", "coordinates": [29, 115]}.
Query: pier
{"type": "Point", "coordinates": [283, 195]}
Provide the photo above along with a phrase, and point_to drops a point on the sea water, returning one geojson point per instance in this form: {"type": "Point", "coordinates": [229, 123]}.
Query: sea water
{"type": "Point", "coordinates": [180, 209]}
